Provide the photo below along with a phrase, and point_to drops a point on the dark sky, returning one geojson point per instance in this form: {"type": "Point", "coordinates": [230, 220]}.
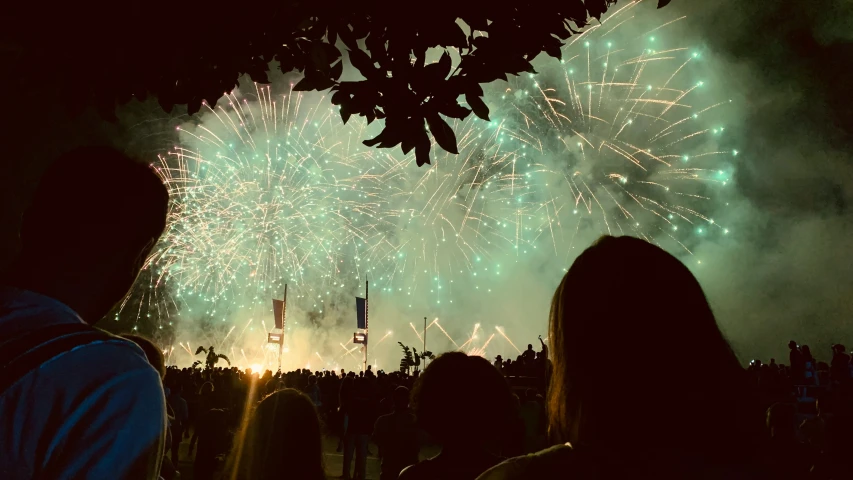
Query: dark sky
{"type": "Point", "coordinates": [788, 273]}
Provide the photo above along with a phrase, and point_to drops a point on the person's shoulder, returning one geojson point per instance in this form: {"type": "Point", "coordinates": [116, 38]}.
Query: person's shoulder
{"type": "Point", "coordinates": [110, 352]}
{"type": "Point", "coordinates": [109, 363]}
{"type": "Point", "coordinates": [535, 465]}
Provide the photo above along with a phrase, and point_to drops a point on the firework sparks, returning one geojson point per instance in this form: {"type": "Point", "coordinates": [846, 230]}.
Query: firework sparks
{"type": "Point", "coordinates": [445, 333]}
{"type": "Point", "coordinates": [622, 137]}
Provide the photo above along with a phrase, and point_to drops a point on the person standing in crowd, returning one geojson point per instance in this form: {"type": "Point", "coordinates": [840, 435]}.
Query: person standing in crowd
{"type": "Point", "coordinates": [603, 430]}
{"type": "Point", "coordinates": [809, 371]}
{"type": "Point", "coordinates": [533, 418]}
{"type": "Point", "coordinates": [784, 453]}
{"type": "Point", "coordinates": [361, 415]}
{"type": "Point", "coordinates": [313, 391]}
{"type": "Point", "coordinates": [205, 402]}
{"type": "Point", "coordinates": [529, 355]}
{"type": "Point", "coordinates": [839, 368]}
{"type": "Point", "coordinates": [796, 361]}
{"type": "Point", "coordinates": [345, 395]}
{"type": "Point", "coordinates": [282, 440]}
{"type": "Point", "coordinates": [467, 406]}
{"type": "Point", "coordinates": [396, 434]}
{"type": "Point", "coordinates": [76, 402]}
{"type": "Point", "coordinates": [213, 443]}
{"type": "Point", "coordinates": [181, 417]}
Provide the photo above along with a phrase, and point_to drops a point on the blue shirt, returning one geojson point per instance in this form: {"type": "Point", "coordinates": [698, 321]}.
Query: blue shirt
{"type": "Point", "coordinates": [96, 411]}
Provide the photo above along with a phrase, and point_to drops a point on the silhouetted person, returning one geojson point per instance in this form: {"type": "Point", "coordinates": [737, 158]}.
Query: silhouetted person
{"type": "Point", "coordinates": [179, 423]}
{"type": "Point", "coordinates": [809, 367]}
{"type": "Point", "coordinates": [529, 355]}
{"type": "Point", "coordinates": [345, 395]}
{"type": "Point", "coordinates": [282, 440]}
{"type": "Point", "coordinates": [839, 369]}
{"type": "Point", "coordinates": [361, 416]}
{"type": "Point", "coordinates": [80, 403]}
{"type": "Point", "coordinates": [213, 443]}
{"type": "Point", "coordinates": [533, 418]}
{"type": "Point", "coordinates": [785, 456]}
{"type": "Point", "coordinates": [205, 402]}
{"type": "Point", "coordinates": [796, 361]}
{"type": "Point", "coordinates": [612, 297]}
{"type": "Point", "coordinates": [313, 391]}
{"type": "Point", "coordinates": [468, 408]}
{"type": "Point", "coordinates": [396, 434]}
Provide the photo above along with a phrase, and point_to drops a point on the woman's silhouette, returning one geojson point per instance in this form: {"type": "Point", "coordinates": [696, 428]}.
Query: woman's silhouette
{"type": "Point", "coordinates": [624, 297]}
{"type": "Point", "coordinates": [282, 440]}
{"type": "Point", "coordinates": [466, 405]}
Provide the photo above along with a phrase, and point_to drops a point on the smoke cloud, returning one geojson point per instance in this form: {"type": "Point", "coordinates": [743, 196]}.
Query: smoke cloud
{"type": "Point", "coordinates": [785, 273]}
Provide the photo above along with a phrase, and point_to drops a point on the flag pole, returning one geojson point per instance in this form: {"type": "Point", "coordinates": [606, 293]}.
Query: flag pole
{"type": "Point", "coordinates": [283, 317]}
{"type": "Point", "coordinates": [366, 323]}
{"type": "Point", "coordinates": [424, 350]}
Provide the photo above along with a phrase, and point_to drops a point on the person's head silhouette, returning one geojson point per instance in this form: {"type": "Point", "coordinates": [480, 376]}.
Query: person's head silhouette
{"type": "Point", "coordinates": [401, 399]}
{"type": "Point", "coordinates": [282, 440]}
{"type": "Point", "coordinates": [462, 400]}
{"type": "Point", "coordinates": [92, 222]}
{"type": "Point", "coordinates": [626, 295]}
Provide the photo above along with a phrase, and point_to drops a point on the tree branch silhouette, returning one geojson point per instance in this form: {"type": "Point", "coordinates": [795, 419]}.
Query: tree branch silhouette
{"type": "Point", "coordinates": [188, 53]}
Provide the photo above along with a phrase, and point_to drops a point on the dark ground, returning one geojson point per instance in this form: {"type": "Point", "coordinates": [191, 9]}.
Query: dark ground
{"type": "Point", "coordinates": [334, 461]}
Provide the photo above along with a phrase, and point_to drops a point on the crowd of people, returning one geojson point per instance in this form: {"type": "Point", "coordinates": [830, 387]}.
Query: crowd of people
{"type": "Point", "coordinates": [76, 402]}
{"type": "Point", "coordinates": [356, 407]}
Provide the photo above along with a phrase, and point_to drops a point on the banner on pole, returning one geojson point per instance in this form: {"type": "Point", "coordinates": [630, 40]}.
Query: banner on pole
{"type": "Point", "coordinates": [359, 338]}
{"type": "Point", "coordinates": [278, 311]}
{"type": "Point", "coordinates": [274, 338]}
{"type": "Point", "coordinates": [361, 312]}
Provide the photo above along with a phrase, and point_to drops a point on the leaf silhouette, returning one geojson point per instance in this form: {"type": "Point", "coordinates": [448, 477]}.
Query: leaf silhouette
{"type": "Point", "coordinates": [443, 134]}
{"type": "Point", "coordinates": [362, 63]}
{"type": "Point", "coordinates": [478, 106]}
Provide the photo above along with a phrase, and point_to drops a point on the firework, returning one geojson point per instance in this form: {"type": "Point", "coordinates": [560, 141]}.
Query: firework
{"type": "Point", "coordinates": [615, 139]}
{"type": "Point", "coordinates": [260, 198]}
{"type": "Point", "coordinates": [621, 137]}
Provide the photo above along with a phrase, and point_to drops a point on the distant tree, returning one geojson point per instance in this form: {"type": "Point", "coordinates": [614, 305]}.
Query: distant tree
{"type": "Point", "coordinates": [188, 52]}
{"type": "Point", "coordinates": [412, 359]}
{"type": "Point", "coordinates": [408, 361]}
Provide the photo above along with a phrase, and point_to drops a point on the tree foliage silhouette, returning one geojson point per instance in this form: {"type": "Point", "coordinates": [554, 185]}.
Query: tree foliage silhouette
{"type": "Point", "coordinates": [411, 358]}
{"type": "Point", "coordinates": [192, 52]}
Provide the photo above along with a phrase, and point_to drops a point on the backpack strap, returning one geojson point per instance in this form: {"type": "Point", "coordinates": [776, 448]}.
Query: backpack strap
{"type": "Point", "coordinates": [29, 351]}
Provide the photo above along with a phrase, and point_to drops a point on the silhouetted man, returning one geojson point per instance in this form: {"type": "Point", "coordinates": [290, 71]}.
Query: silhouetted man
{"type": "Point", "coordinates": [529, 355]}
{"type": "Point", "coordinates": [76, 402]}
{"type": "Point", "coordinates": [397, 437]}
{"type": "Point", "coordinates": [796, 361]}
{"type": "Point", "coordinates": [839, 369]}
